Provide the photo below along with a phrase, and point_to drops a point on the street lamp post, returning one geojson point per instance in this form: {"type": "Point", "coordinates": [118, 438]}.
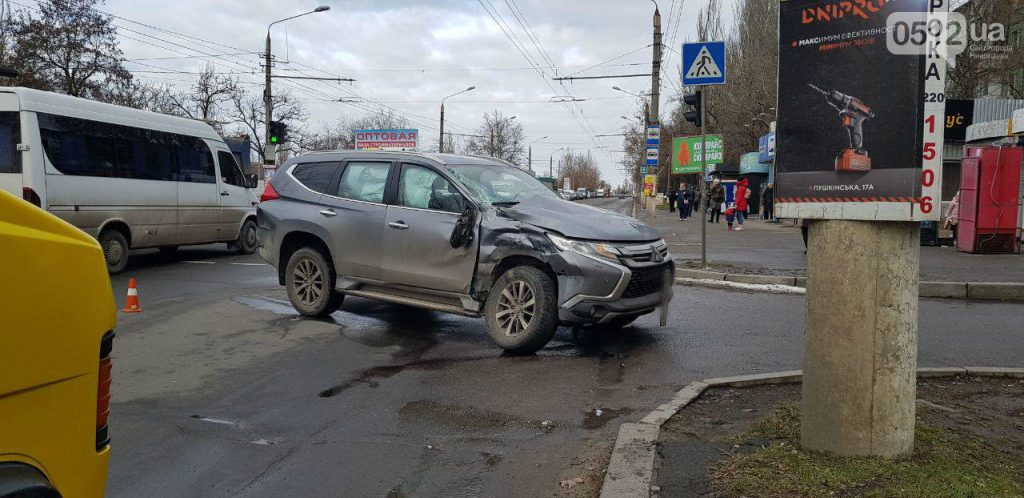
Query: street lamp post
{"type": "Point", "coordinates": [529, 157]}
{"type": "Point", "coordinates": [551, 162]}
{"type": "Point", "coordinates": [270, 150]}
{"type": "Point", "coordinates": [440, 139]}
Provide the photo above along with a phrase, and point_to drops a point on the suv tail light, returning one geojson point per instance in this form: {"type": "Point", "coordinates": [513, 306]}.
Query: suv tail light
{"type": "Point", "coordinates": [269, 194]}
{"type": "Point", "coordinates": [103, 391]}
{"type": "Point", "coordinates": [31, 196]}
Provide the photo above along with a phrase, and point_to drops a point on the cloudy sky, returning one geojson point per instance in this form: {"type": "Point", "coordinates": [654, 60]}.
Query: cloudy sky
{"type": "Point", "coordinates": [407, 55]}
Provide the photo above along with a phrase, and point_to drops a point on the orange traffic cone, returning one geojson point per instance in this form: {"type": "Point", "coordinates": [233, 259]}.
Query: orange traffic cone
{"type": "Point", "coordinates": [131, 304]}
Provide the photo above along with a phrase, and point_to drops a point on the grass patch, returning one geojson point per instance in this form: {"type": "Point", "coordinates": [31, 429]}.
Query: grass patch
{"type": "Point", "coordinates": [945, 463]}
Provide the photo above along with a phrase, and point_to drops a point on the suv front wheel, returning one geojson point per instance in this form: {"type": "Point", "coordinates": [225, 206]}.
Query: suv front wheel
{"type": "Point", "coordinates": [309, 279]}
{"type": "Point", "coordinates": [521, 310]}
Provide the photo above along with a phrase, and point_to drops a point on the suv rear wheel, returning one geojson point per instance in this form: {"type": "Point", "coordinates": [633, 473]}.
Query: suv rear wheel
{"type": "Point", "coordinates": [521, 310]}
{"type": "Point", "coordinates": [309, 279]}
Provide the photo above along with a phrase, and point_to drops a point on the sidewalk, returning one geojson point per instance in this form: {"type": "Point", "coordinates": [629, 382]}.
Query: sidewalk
{"type": "Point", "coordinates": [777, 249]}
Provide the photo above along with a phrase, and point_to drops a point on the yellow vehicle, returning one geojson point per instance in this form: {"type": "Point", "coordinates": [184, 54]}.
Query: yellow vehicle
{"type": "Point", "coordinates": [57, 315]}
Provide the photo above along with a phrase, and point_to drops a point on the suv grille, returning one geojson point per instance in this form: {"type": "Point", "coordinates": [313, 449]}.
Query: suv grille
{"type": "Point", "coordinates": [645, 282]}
{"type": "Point", "coordinates": [641, 253]}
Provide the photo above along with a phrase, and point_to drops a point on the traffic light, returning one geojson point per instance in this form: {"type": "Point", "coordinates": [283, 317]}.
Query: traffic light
{"type": "Point", "coordinates": [278, 132]}
{"type": "Point", "coordinates": [693, 116]}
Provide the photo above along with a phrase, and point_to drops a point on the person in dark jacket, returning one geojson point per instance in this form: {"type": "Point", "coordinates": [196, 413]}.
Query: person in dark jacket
{"type": "Point", "coordinates": [673, 196]}
{"type": "Point", "coordinates": [686, 209]}
{"type": "Point", "coordinates": [717, 196]}
{"type": "Point", "coordinates": [768, 202]}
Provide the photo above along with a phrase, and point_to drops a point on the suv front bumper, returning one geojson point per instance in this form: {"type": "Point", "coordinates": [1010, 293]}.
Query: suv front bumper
{"type": "Point", "coordinates": [592, 290]}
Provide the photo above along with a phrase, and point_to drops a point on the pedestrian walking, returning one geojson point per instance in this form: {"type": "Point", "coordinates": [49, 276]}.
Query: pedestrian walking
{"type": "Point", "coordinates": [672, 197]}
{"type": "Point", "coordinates": [730, 215]}
{"type": "Point", "coordinates": [717, 197]}
{"type": "Point", "coordinates": [742, 197]}
{"type": "Point", "coordinates": [953, 215]}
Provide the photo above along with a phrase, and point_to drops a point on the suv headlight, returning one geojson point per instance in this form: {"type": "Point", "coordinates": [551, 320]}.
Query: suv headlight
{"type": "Point", "coordinates": [595, 249]}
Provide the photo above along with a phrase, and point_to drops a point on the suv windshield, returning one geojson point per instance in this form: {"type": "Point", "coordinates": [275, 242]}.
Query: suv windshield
{"type": "Point", "coordinates": [499, 184]}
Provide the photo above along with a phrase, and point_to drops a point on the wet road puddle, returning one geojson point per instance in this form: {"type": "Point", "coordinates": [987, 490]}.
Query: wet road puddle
{"type": "Point", "coordinates": [597, 418]}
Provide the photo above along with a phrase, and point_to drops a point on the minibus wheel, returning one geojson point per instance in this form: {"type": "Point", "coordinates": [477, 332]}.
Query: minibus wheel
{"type": "Point", "coordinates": [115, 250]}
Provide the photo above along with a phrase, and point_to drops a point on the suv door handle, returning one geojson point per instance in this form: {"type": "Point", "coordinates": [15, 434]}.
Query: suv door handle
{"type": "Point", "coordinates": [328, 212]}
{"type": "Point", "coordinates": [225, 193]}
{"type": "Point", "coordinates": [399, 225]}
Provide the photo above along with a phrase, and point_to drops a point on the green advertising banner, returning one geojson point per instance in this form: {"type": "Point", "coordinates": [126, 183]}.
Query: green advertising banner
{"type": "Point", "coordinates": [686, 153]}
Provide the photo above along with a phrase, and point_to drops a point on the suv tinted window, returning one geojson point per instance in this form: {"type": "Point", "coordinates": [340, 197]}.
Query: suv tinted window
{"type": "Point", "coordinates": [10, 136]}
{"type": "Point", "coordinates": [315, 176]}
{"type": "Point", "coordinates": [423, 188]}
{"type": "Point", "coordinates": [364, 181]}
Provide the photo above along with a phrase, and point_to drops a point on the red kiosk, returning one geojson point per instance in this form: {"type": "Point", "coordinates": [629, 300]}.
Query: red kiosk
{"type": "Point", "coordinates": [989, 202]}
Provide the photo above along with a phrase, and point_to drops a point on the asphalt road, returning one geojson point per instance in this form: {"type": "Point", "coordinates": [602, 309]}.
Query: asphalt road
{"type": "Point", "coordinates": [221, 389]}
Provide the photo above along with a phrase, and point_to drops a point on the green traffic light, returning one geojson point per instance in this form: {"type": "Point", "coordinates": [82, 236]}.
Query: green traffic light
{"type": "Point", "coordinates": [273, 140]}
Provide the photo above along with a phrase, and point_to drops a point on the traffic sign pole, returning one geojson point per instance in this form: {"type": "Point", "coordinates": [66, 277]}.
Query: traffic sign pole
{"type": "Point", "coordinates": [703, 182]}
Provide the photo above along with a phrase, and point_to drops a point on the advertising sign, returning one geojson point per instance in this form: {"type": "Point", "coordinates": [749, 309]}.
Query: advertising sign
{"type": "Point", "coordinates": [859, 127]}
{"type": "Point", "coordinates": [386, 139]}
{"type": "Point", "coordinates": [766, 148]}
{"type": "Point", "coordinates": [750, 164]}
{"type": "Point", "coordinates": [686, 153]}
{"type": "Point", "coordinates": [959, 115]}
{"type": "Point", "coordinates": [649, 181]}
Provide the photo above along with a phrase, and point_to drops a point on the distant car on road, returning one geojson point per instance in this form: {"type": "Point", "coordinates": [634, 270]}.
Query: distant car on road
{"type": "Point", "coordinates": [460, 234]}
{"type": "Point", "coordinates": [129, 178]}
{"type": "Point", "coordinates": [55, 369]}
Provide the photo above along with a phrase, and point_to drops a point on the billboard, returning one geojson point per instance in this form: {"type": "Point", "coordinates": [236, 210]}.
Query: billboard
{"type": "Point", "coordinates": [859, 128]}
{"type": "Point", "coordinates": [959, 115]}
{"type": "Point", "coordinates": [686, 153]}
{"type": "Point", "coordinates": [385, 139]}
{"type": "Point", "coordinates": [649, 184]}
{"type": "Point", "coordinates": [766, 148]}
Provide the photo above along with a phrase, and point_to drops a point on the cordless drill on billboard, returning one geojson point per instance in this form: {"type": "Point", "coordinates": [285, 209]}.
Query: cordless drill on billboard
{"type": "Point", "coordinates": [853, 113]}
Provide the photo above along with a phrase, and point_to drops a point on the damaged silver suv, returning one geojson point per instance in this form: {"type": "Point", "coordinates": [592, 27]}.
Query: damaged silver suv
{"type": "Point", "coordinates": [460, 234]}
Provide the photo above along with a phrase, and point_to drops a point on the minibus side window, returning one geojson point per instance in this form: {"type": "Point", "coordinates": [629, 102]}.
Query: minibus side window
{"type": "Point", "coordinates": [10, 137]}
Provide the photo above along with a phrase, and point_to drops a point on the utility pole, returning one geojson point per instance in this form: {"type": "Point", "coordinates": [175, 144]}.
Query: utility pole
{"type": "Point", "coordinates": [269, 149]}
{"type": "Point", "coordinates": [440, 138]}
{"type": "Point", "coordinates": [652, 119]}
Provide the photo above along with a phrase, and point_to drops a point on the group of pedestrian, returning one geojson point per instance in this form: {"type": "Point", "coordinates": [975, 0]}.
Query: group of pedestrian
{"type": "Point", "coordinates": [687, 199]}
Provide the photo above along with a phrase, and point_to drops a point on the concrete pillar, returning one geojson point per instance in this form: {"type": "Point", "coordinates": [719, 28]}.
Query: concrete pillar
{"type": "Point", "coordinates": [860, 347]}
{"type": "Point", "coordinates": [652, 206]}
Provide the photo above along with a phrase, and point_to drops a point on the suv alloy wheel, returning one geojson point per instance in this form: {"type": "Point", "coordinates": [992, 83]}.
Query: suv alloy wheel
{"type": "Point", "coordinates": [521, 310]}
{"type": "Point", "coordinates": [309, 279]}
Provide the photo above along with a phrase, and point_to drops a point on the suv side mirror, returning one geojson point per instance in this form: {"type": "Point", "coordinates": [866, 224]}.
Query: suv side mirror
{"type": "Point", "coordinates": [252, 181]}
{"type": "Point", "coordinates": [465, 227]}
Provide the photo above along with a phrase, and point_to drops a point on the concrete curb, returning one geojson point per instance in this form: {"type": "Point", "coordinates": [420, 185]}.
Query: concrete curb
{"type": "Point", "coordinates": [999, 291]}
{"type": "Point", "coordinates": [631, 468]}
{"type": "Point", "coordinates": [728, 285]}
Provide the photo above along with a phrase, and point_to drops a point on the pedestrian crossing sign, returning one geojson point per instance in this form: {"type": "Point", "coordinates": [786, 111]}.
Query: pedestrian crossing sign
{"type": "Point", "coordinates": [704, 63]}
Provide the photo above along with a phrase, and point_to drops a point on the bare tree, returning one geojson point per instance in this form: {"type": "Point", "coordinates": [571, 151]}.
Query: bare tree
{"type": "Point", "coordinates": [70, 48]}
{"type": "Point", "coordinates": [247, 112]}
{"type": "Point", "coordinates": [206, 97]}
{"type": "Point", "coordinates": [581, 169]}
{"type": "Point", "coordinates": [983, 69]}
{"type": "Point", "coordinates": [499, 137]}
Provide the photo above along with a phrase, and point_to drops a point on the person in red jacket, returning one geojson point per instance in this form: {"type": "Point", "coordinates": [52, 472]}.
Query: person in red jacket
{"type": "Point", "coordinates": [742, 196]}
